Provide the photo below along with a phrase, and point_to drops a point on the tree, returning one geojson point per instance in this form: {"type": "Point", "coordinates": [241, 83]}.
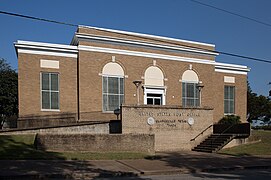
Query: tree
{"type": "Point", "coordinates": [258, 106]}
{"type": "Point", "coordinates": [8, 91]}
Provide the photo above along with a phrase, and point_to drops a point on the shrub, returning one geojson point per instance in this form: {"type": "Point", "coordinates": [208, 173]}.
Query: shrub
{"type": "Point", "coordinates": [230, 120]}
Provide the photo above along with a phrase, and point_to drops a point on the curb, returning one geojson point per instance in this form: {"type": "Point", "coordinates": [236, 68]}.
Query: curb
{"type": "Point", "coordinates": [83, 175]}
{"type": "Point", "coordinates": [37, 176]}
{"type": "Point", "coordinates": [236, 168]}
{"type": "Point", "coordinates": [192, 170]}
{"type": "Point", "coordinates": [72, 175]}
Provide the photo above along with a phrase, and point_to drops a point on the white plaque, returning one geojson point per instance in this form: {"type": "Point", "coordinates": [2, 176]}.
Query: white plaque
{"type": "Point", "coordinates": [150, 121]}
{"type": "Point", "coordinates": [190, 121]}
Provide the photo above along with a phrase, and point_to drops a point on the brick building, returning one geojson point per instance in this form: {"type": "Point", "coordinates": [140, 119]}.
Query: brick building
{"type": "Point", "coordinates": [102, 69]}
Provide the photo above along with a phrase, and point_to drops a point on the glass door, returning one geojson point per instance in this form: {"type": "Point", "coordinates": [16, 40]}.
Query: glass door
{"type": "Point", "coordinates": [154, 99]}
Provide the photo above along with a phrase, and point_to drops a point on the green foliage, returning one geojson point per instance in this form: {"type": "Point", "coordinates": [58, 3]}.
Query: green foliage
{"type": "Point", "coordinates": [230, 120]}
{"type": "Point", "coordinates": [8, 91]}
{"type": "Point", "coordinates": [258, 106]}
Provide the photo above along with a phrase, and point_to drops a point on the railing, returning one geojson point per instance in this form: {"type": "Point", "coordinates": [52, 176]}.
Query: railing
{"type": "Point", "coordinates": [193, 139]}
{"type": "Point", "coordinates": [241, 129]}
{"type": "Point", "coordinates": [234, 129]}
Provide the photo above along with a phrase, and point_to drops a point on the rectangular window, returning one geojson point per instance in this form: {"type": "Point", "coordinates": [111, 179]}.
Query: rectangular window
{"type": "Point", "coordinates": [113, 93]}
{"type": "Point", "coordinates": [49, 91]}
{"type": "Point", "coordinates": [229, 98]}
{"type": "Point", "coordinates": [190, 95]}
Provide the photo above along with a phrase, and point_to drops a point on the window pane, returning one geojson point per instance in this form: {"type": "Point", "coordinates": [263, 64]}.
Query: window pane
{"type": "Point", "coordinates": [231, 108]}
{"type": "Point", "coordinates": [229, 99]}
{"type": "Point", "coordinates": [183, 90]}
{"type": "Point", "coordinates": [45, 81]}
{"type": "Point", "coordinates": [50, 99]}
{"type": "Point", "coordinates": [105, 107]}
{"type": "Point", "coordinates": [121, 99]}
{"type": "Point", "coordinates": [150, 101]}
{"type": "Point", "coordinates": [190, 90]}
{"type": "Point", "coordinates": [113, 102]}
{"type": "Point", "coordinates": [121, 86]}
{"type": "Point", "coordinates": [231, 92]}
{"type": "Point", "coordinates": [54, 82]}
{"type": "Point", "coordinates": [190, 102]}
{"type": "Point", "coordinates": [45, 100]}
{"type": "Point", "coordinates": [104, 84]}
{"type": "Point", "coordinates": [191, 95]}
{"type": "Point", "coordinates": [157, 101]}
{"type": "Point", "coordinates": [184, 102]}
{"type": "Point", "coordinates": [226, 92]}
{"type": "Point", "coordinates": [113, 85]}
{"type": "Point", "coordinates": [54, 100]}
{"type": "Point", "coordinates": [113, 93]}
{"type": "Point", "coordinates": [226, 107]}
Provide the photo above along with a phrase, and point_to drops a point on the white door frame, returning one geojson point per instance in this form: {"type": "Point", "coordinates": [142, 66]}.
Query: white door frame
{"type": "Point", "coordinates": [155, 90]}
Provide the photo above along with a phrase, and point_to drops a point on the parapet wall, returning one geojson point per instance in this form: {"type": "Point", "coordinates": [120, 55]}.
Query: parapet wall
{"type": "Point", "coordinates": [174, 127]}
{"type": "Point", "coordinates": [96, 142]}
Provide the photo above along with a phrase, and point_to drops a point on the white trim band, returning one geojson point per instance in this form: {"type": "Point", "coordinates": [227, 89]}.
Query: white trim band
{"type": "Point", "coordinates": [144, 54]}
{"type": "Point", "coordinates": [146, 44]}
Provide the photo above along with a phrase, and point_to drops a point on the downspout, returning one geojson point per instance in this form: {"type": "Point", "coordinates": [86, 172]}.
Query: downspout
{"type": "Point", "coordinates": [78, 87]}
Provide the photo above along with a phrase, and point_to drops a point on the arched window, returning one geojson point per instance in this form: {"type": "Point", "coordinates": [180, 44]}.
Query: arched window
{"type": "Point", "coordinates": [190, 90]}
{"type": "Point", "coordinates": [154, 76]}
{"type": "Point", "coordinates": [154, 86]}
{"type": "Point", "coordinates": [113, 86]}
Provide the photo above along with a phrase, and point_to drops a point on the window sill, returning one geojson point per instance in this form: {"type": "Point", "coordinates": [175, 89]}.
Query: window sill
{"type": "Point", "coordinates": [51, 110]}
{"type": "Point", "coordinates": [228, 114]}
{"type": "Point", "coordinates": [108, 112]}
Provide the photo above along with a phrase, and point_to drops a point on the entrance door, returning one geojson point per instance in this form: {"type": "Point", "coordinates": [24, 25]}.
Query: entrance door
{"type": "Point", "coordinates": [154, 96]}
{"type": "Point", "coordinates": [154, 99]}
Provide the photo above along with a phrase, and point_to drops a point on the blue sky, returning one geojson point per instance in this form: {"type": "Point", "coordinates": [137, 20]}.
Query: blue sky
{"type": "Point", "coordinates": [181, 19]}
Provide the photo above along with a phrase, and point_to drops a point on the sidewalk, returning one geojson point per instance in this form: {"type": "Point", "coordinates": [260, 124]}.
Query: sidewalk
{"type": "Point", "coordinates": [165, 163]}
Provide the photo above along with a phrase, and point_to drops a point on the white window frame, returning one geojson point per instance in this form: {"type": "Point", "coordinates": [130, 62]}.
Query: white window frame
{"type": "Point", "coordinates": [112, 94]}
{"type": "Point", "coordinates": [229, 100]}
{"type": "Point", "coordinates": [41, 90]}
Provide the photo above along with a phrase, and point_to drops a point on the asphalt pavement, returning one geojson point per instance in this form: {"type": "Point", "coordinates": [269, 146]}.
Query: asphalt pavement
{"type": "Point", "coordinates": [166, 163]}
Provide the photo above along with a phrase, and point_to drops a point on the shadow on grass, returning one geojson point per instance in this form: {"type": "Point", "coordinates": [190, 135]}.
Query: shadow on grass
{"type": "Point", "coordinates": [19, 159]}
{"type": "Point", "coordinates": [21, 147]}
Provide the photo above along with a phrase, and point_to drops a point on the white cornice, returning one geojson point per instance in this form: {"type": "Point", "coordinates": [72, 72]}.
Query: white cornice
{"type": "Point", "coordinates": [144, 54]}
{"type": "Point", "coordinates": [42, 44]}
{"type": "Point", "coordinates": [231, 68]}
{"type": "Point", "coordinates": [230, 71]}
{"type": "Point", "coordinates": [147, 35]}
{"type": "Point", "coordinates": [142, 44]}
{"type": "Point", "coordinates": [29, 47]}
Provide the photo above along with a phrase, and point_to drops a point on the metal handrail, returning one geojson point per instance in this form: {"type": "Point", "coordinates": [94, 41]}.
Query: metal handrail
{"type": "Point", "coordinates": [193, 139]}
{"type": "Point", "coordinates": [221, 134]}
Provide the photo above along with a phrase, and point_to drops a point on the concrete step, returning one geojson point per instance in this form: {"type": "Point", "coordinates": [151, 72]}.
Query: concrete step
{"type": "Point", "coordinates": [213, 143]}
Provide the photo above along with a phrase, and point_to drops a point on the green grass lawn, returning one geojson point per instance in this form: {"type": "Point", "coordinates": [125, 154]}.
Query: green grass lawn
{"type": "Point", "coordinates": [22, 147]}
{"type": "Point", "coordinates": [259, 148]}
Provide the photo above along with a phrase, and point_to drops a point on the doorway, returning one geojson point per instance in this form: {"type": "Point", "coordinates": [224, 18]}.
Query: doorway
{"type": "Point", "coordinates": [154, 96]}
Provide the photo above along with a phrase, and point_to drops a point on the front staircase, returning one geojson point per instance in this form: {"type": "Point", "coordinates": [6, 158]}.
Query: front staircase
{"type": "Point", "coordinates": [214, 143]}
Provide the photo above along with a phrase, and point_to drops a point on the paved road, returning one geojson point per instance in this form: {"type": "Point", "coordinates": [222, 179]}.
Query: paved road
{"type": "Point", "coordinates": [193, 163]}
{"type": "Point", "coordinates": [264, 174]}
